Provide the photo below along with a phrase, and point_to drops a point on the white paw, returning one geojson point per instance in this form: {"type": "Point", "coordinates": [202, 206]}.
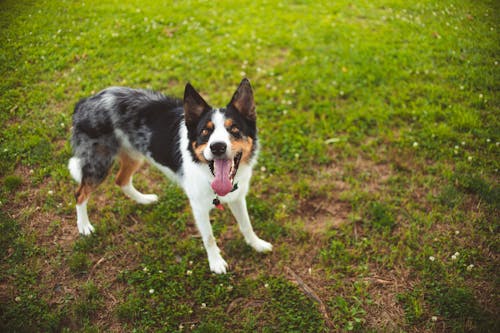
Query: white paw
{"type": "Point", "coordinates": [85, 228]}
{"type": "Point", "coordinates": [261, 245]}
{"type": "Point", "coordinates": [146, 199]}
{"type": "Point", "coordinates": [218, 265]}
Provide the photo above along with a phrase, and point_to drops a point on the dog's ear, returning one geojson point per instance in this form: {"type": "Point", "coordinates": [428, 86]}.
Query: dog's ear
{"type": "Point", "coordinates": [194, 105]}
{"type": "Point", "coordinates": [243, 100]}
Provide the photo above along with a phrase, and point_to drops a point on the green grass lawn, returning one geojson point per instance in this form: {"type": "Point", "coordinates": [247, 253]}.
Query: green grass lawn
{"type": "Point", "coordinates": [377, 180]}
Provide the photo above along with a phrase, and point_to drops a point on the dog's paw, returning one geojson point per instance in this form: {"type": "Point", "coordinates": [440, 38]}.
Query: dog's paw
{"type": "Point", "coordinates": [85, 228]}
{"type": "Point", "coordinates": [218, 265]}
{"type": "Point", "coordinates": [261, 245]}
{"type": "Point", "coordinates": [146, 199]}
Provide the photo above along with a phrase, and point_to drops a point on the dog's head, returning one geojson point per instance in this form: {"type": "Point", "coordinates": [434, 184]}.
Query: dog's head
{"type": "Point", "coordinates": [222, 138]}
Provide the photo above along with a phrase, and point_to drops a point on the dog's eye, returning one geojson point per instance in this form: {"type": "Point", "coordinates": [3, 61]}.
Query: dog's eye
{"type": "Point", "coordinates": [205, 132]}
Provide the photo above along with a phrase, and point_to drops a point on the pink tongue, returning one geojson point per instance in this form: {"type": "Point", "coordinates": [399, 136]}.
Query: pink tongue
{"type": "Point", "coordinates": [221, 184]}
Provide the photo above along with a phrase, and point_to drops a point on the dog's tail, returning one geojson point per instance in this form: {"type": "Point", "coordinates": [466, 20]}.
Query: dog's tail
{"type": "Point", "coordinates": [75, 169]}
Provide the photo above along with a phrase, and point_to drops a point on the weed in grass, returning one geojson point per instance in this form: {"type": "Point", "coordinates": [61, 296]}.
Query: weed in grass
{"type": "Point", "coordinates": [89, 301]}
{"type": "Point", "coordinates": [380, 217]}
{"type": "Point", "coordinates": [290, 311]}
{"type": "Point", "coordinates": [79, 263]}
{"type": "Point", "coordinates": [450, 196]}
{"type": "Point", "coordinates": [12, 182]}
{"type": "Point", "coordinates": [413, 305]}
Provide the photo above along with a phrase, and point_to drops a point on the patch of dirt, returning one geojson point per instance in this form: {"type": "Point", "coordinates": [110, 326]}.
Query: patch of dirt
{"type": "Point", "coordinates": [324, 212]}
{"type": "Point", "coordinates": [386, 313]}
{"type": "Point", "coordinates": [323, 215]}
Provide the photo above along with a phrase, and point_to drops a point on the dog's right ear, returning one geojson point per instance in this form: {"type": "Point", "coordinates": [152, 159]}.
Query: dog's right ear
{"type": "Point", "coordinates": [194, 105]}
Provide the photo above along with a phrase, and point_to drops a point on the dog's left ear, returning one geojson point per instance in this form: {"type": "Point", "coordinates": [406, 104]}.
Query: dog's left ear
{"type": "Point", "coordinates": [243, 100]}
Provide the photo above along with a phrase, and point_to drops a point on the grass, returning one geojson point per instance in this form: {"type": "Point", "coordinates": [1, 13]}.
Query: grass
{"type": "Point", "coordinates": [377, 182]}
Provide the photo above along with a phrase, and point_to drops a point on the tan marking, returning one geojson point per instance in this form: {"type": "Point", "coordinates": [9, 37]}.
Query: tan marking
{"type": "Point", "coordinates": [128, 166]}
{"type": "Point", "coordinates": [83, 193]}
{"type": "Point", "coordinates": [244, 145]}
{"type": "Point", "coordinates": [228, 122]}
{"type": "Point", "coordinates": [198, 151]}
{"type": "Point", "coordinates": [210, 125]}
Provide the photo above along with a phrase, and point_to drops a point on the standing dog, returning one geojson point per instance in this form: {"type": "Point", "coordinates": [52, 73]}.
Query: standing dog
{"type": "Point", "coordinates": [209, 152]}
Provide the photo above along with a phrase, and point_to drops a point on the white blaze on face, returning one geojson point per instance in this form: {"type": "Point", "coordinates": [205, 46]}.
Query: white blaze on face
{"type": "Point", "coordinates": [220, 134]}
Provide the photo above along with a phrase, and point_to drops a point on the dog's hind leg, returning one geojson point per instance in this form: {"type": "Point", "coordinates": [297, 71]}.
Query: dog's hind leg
{"type": "Point", "coordinates": [82, 219]}
{"type": "Point", "coordinates": [128, 166]}
{"type": "Point", "coordinates": [82, 196]}
{"type": "Point", "coordinates": [90, 167]}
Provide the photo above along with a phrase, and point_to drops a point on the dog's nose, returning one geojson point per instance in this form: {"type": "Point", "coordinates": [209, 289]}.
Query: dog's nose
{"type": "Point", "coordinates": [218, 148]}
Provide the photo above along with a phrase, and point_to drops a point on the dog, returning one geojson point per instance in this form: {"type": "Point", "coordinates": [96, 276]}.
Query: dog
{"type": "Point", "coordinates": [209, 152]}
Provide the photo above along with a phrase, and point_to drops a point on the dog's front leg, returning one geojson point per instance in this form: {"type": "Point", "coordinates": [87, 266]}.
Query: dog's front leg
{"type": "Point", "coordinates": [240, 212]}
{"type": "Point", "coordinates": [201, 215]}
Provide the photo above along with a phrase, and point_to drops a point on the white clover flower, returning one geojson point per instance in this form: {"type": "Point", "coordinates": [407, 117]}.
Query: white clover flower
{"type": "Point", "coordinates": [415, 144]}
{"type": "Point", "coordinates": [431, 258]}
{"type": "Point", "coordinates": [457, 232]}
{"type": "Point", "coordinates": [18, 299]}
{"type": "Point", "coordinates": [266, 285]}
{"type": "Point", "coordinates": [470, 267]}
{"type": "Point", "coordinates": [145, 269]}
{"type": "Point", "coordinates": [189, 272]}
{"type": "Point", "coordinates": [50, 192]}
{"type": "Point", "coordinates": [453, 257]}
{"type": "Point", "coordinates": [434, 318]}
{"type": "Point", "coordinates": [151, 291]}
{"type": "Point", "coordinates": [230, 288]}
{"type": "Point", "coordinates": [469, 158]}
{"type": "Point", "coordinates": [203, 305]}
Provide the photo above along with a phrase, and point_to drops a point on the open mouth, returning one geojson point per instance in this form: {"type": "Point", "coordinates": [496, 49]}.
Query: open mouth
{"type": "Point", "coordinates": [224, 171]}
